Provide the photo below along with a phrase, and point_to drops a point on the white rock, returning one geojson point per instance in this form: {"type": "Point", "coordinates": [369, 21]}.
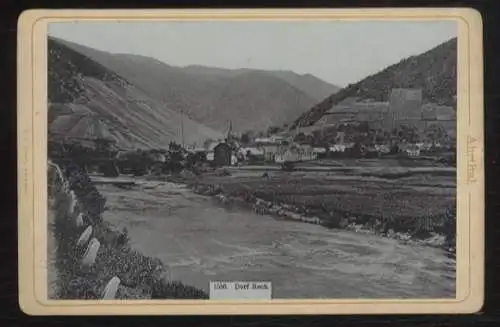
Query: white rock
{"type": "Point", "coordinates": [111, 289]}
{"type": "Point", "coordinates": [72, 203]}
{"type": "Point", "coordinates": [91, 253]}
{"type": "Point", "coordinates": [84, 238]}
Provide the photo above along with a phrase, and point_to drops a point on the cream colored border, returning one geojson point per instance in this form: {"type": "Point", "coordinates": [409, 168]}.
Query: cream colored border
{"type": "Point", "coordinates": [32, 144]}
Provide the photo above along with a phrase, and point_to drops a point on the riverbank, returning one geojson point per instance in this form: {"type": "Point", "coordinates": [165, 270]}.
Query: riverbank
{"type": "Point", "coordinates": [199, 239]}
{"type": "Point", "coordinates": [413, 210]}
{"type": "Point", "coordinates": [141, 277]}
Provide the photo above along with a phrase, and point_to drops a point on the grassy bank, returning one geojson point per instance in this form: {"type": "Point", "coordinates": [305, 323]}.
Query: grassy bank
{"type": "Point", "coordinates": [141, 277]}
{"type": "Point", "coordinates": [406, 209]}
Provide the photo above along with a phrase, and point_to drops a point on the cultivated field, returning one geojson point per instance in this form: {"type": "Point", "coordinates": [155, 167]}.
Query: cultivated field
{"type": "Point", "coordinates": [363, 191]}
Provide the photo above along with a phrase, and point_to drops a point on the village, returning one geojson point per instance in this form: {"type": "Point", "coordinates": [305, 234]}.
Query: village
{"type": "Point", "coordinates": [402, 128]}
{"type": "Point", "coordinates": [390, 134]}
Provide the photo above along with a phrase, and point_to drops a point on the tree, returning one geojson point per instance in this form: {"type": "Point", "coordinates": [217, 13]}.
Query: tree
{"type": "Point", "coordinates": [245, 138]}
{"type": "Point", "coordinates": [300, 137]}
{"type": "Point", "coordinates": [436, 132]}
{"type": "Point", "coordinates": [318, 138]}
{"type": "Point", "coordinates": [173, 146]}
{"type": "Point", "coordinates": [363, 127]}
{"type": "Point", "coordinates": [309, 139]}
{"type": "Point", "coordinates": [207, 143]}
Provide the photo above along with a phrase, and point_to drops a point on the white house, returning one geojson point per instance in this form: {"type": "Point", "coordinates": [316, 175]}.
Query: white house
{"type": "Point", "coordinates": [382, 148]}
{"type": "Point", "coordinates": [287, 155]}
{"type": "Point", "coordinates": [297, 153]}
{"type": "Point", "coordinates": [413, 152]}
{"type": "Point", "coordinates": [234, 160]}
{"type": "Point", "coordinates": [319, 150]}
{"type": "Point", "coordinates": [262, 140]}
{"type": "Point", "coordinates": [338, 148]}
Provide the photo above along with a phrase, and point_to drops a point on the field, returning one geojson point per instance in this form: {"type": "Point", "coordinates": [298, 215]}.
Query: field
{"type": "Point", "coordinates": [399, 198]}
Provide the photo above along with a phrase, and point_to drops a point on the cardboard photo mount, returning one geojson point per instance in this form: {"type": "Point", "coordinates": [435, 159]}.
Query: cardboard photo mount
{"type": "Point", "coordinates": [32, 169]}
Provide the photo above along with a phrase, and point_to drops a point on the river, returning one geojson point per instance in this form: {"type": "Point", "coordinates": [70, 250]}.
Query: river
{"type": "Point", "coordinates": [200, 240]}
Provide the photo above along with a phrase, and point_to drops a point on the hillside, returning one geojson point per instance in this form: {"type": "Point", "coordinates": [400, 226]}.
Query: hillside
{"type": "Point", "coordinates": [434, 71]}
{"type": "Point", "coordinates": [88, 100]}
{"type": "Point", "coordinates": [251, 99]}
{"type": "Point", "coordinates": [307, 83]}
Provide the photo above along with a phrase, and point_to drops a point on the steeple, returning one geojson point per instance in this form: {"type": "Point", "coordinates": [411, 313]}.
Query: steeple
{"type": "Point", "coordinates": [229, 130]}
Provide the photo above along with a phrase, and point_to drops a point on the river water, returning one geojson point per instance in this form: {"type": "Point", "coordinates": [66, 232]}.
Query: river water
{"type": "Point", "coordinates": [200, 240]}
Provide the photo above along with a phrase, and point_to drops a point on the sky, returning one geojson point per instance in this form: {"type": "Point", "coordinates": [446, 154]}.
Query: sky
{"type": "Point", "coordinates": [339, 52]}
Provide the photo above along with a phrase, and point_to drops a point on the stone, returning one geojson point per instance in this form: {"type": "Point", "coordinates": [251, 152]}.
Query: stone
{"type": "Point", "coordinates": [111, 289]}
{"type": "Point", "coordinates": [90, 255]}
{"type": "Point", "coordinates": [85, 237]}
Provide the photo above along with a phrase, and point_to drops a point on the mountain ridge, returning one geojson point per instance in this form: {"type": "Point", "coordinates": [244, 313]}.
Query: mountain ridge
{"type": "Point", "coordinates": [115, 108]}
{"type": "Point", "coordinates": [210, 95]}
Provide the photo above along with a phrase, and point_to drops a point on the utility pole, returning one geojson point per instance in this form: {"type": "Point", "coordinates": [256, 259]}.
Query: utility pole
{"type": "Point", "coordinates": [182, 126]}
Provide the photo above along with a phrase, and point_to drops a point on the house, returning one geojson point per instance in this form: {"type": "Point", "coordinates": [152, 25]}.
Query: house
{"type": "Point", "coordinates": [252, 153]}
{"type": "Point", "coordinates": [234, 160]}
{"type": "Point", "coordinates": [222, 155]}
{"type": "Point", "coordinates": [159, 157]}
{"type": "Point", "coordinates": [278, 138]}
{"type": "Point", "coordinates": [198, 150]}
{"type": "Point", "coordinates": [338, 148]}
{"type": "Point", "coordinates": [270, 150]}
{"type": "Point", "coordinates": [413, 152]}
{"type": "Point", "coordinates": [319, 150]}
{"type": "Point", "coordinates": [426, 146]}
{"type": "Point", "coordinates": [307, 152]}
{"type": "Point", "coordinates": [288, 154]}
{"type": "Point", "coordinates": [382, 148]}
{"type": "Point", "coordinates": [270, 147]}
{"type": "Point", "coordinates": [295, 153]}
{"type": "Point", "coordinates": [262, 140]}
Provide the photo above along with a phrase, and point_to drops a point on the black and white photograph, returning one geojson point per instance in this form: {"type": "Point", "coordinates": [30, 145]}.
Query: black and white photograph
{"type": "Point", "coordinates": [252, 160]}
